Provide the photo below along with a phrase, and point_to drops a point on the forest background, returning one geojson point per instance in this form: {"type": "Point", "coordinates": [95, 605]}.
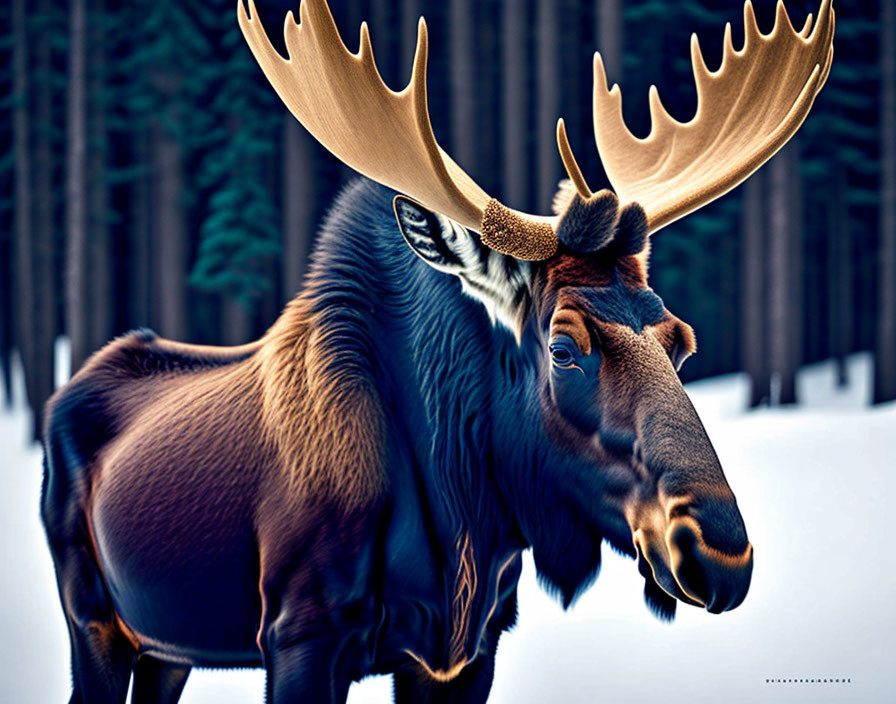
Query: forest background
{"type": "Point", "coordinates": [149, 175]}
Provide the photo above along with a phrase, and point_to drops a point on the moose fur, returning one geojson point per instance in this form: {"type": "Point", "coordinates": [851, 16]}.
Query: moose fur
{"type": "Point", "coordinates": [352, 493]}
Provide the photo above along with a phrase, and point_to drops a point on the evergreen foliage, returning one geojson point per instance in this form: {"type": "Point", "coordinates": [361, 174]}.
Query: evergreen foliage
{"type": "Point", "coordinates": [240, 233]}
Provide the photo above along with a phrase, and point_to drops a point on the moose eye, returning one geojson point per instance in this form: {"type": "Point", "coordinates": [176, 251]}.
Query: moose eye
{"type": "Point", "coordinates": [561, 355]}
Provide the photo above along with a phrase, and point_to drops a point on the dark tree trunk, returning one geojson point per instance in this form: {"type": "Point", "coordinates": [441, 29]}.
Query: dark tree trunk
{"type": "Point", "coordinates": [796, 278]}
{"type": "Point", "coordinates": [43, 315]}
{"type": "Point", "coordinates": [885, 348]}
{"type": "Point", "coordinates": [610, 37]}
{"type": "Point", "coordinates": [140, 236]}
{"type": "Point", "coordinates": [6, 242]}
{"type": "Point", "coordinates": [6, 321]}
{"type": "Point", "coordinates": [485, 92]}
{"type": "Point", "coordinates": [169, 236]}
{"type": "Point", "coordinates": [410, 15]}
{"type": "Point", "coordinates": [515, 98]}
{"type": "Point", "coordinates": [547, 162]}
{"type": "Point", "coordinates": [76, 195]}
{"type": "Point", "coordinates": [463, 82]}
{"type": "Point", "coordinates": [385, 24]}
{"type": "Point", "coordinates": [728, 306]}
{"type": "Point", "coordinates": [236, 322]}
{"type": "Point", "coordinates": [23, 243]}
{"type": "Point", "coordinates": [784, 273]}
{"type": "Point", "coordinates": [839, 275]}
{"type": "Point", "coordinates": [753, 290]}
{"type": "Point", "coordinates": [99, 254]}
{"type": "Point", "coordinates": [298, 204]}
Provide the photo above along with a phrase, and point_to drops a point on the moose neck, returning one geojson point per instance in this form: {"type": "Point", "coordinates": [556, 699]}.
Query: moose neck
{"type": "Point", "coordinates": [460, 393]}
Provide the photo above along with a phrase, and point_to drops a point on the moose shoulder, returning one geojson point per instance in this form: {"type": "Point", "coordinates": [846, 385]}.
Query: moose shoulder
{"type": "Point", "coordinates": [352, 493]}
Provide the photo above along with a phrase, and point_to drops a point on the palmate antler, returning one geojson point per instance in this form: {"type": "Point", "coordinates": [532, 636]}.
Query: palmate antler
{"type": "Point", "coordinates": [746, 112]}
{"type": "Point", "coordinates": [341, 99]}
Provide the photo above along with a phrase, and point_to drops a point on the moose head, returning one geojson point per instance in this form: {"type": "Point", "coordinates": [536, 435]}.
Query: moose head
{"type": "Point", "coordinates": [608, 386]}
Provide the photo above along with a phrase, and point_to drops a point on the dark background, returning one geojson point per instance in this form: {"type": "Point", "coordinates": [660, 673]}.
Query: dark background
{"type": "Point", "coordinates": [149, 175]}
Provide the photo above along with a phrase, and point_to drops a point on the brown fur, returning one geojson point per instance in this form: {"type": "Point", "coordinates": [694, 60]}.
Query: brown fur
{"type": "Point", "coordinates": [269, 400]}
{"type": "Point", "coordinates": [465, 585]}
{"type": "Point", "coordinates": [328, 430]}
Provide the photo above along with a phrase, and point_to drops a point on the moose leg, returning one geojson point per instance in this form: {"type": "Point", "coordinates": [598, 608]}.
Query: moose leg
{"type": "Point", "coordinates": [102, 657]}
{"type": "Point", "coordinates": [307, 671]}
{"type": "Point", "coordinates": [158, 682]}
{"type": "Point", "coordinates": [471, 686]}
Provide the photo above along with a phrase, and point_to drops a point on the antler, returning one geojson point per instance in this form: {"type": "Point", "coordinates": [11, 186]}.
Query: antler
{"type": "Point", "coordinates": [341, 99]}
{"type": "Point", "coordinates": [746, 111]}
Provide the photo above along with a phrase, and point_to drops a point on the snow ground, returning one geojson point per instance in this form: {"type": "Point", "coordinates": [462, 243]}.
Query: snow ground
{"type": "Point", "coordinates": [814, 484]}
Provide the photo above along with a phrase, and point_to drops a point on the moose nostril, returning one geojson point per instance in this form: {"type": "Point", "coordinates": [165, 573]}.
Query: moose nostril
{"type": "Point", "coordinates": [686, 563]}
{"type": "Point", "coordinates": [719, 580]}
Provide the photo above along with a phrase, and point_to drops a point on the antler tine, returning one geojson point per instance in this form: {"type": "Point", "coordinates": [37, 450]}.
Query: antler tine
{"type": "Point", "coordinates": [746, 110]}
{"type": "Point", "coordinates": [570, 163]}
{"type": "Point", "coordinates": [342, 100]}
{"type": "Point", "coordinates": [330, 90]}
{"type": "Point", "coordinates": [807, 27]}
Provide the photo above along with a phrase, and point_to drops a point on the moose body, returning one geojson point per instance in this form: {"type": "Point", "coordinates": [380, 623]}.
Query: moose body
{"type": "Point", "coordinates": [352, 493]}
{"type": "Point", "coordinates": [187, 532]}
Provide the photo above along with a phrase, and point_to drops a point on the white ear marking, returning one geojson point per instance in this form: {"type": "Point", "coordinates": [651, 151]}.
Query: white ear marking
{"type": "Point", "coordinates": [499, 282]}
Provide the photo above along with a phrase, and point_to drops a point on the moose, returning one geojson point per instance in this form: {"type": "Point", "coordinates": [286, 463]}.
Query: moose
{"type": "Point", "coordinates": [352, 493]}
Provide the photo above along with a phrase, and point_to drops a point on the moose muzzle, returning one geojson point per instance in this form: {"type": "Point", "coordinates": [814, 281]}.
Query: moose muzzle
{"type": "Point", "coordinates": [685, 523]}
{"type": "Point", "coordinates": [696, 550]}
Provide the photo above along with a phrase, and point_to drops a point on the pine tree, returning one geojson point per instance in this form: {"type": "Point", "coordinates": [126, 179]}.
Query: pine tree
{"type": "Point", "coordinates": [166, 101]}
{"type": "Point", "coordinates": [240, 231]}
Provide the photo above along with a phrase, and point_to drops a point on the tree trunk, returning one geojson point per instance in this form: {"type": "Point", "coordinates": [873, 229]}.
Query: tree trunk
{"type": "Point", "coordinates": [784, 274]}
{"type": "Point", "coordinates": [140, 259]}
{"type": "Point", "coordinates": [76, 196]}
{"type": "Point", "coordinates": [548, 103]}
{"type": "Point", "coordinates": [298, 204]}
{"type": "Point", "coordinates": [43, 315]}
{"type": "Point", "coordinates": [839, 275]}
{"type": "Point", "coordinates": [236, 322]}
{"type": "Point", "coordinates": [728, 311]}
{"type": "Point", "coordinates": [6, 321]}
{"type": "Point", "coordinates": [795, 280]}
{"type": "Point", "coordinates": [100, 285]}
{"type": "Point", "coordinates": [410, 16]}
{"type": "Point", "coordinates": [753, 291]}
{"type": "Point", "coordinates": [885, 348]}
{"type": "Point", "coordinates": [23, 237]}
{"type": "Point", "coordinates": [485, 90]}
{"type": "Point", "coordinates": [610, 38]}
{"type": "Point", "coordinates": [384, 24]}
{"type": "Point", "coordinates": [169, 236]}
{"type": "Point", "coordinates": [463, 107]}
{"type": "Point", "coordinates": [515, 175]}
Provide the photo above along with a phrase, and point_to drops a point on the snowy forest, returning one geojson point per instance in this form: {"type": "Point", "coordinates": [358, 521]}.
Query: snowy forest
{"type": "Point", "coordinates": [149, 175]}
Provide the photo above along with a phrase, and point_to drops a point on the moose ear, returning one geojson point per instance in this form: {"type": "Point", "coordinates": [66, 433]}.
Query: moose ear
{"type": "Point", "coordinates": [684, 344]}
{"type": "Point", "coordinates": [434, 238]}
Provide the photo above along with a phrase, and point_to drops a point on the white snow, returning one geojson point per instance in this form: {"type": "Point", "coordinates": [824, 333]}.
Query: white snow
{"type": "Point", "coordinates": [814, 483]}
